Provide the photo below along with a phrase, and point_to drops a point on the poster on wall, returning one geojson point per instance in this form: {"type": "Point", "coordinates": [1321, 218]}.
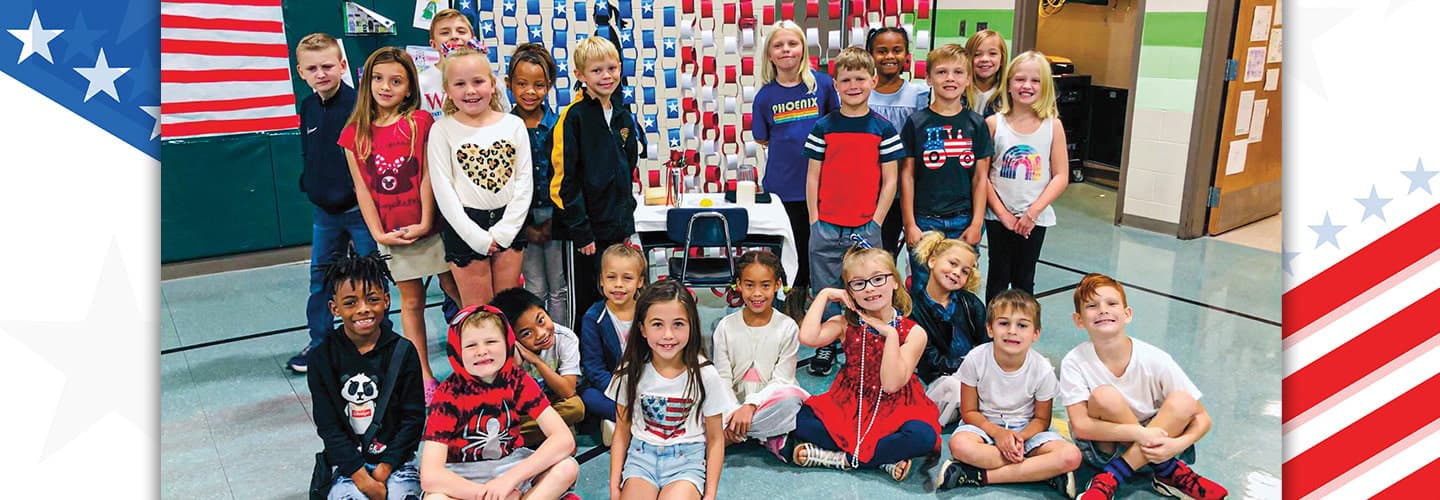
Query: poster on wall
{"type": "Point", "coordinates": [425, 11]}
{"type": "Point", "coordinates": [1242, 112]}
{"type": "Point", "coordinates": [1254, 64]}
{"type": "Point", "coordinates": [1257, 120]}
{"type": "Point", "coordinates": [1272, 79]}
{"type": "Point", "coordinates": [1235, 162]}
{"type": "Point", "coordinates": [424, 56]}
{"type": "Point", "coordinates": [1275, 47]}
{"type": "Point", "coordinates": [1260, 26]}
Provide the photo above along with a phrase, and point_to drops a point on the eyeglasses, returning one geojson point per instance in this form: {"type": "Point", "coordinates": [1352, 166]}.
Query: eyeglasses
{"type": "Point", "coordinates": [875, 281]}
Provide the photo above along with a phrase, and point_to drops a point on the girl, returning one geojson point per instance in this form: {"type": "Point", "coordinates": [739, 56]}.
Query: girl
{"type": "Point", "coordinates": [946, 304]}
{"type": "Point", "coordinates": [1029, 173]}
{"type": "Point", "coordinates": [531, 73]}
{"type": "Point", "coordinates": [669, 401]}
{"type": "Point", "coordinates": [384, 142]}
{"type": "Point", "coordinates": [480, 158]}
{"type": "Point", "coordinates": [987, 61]}
{"type": "Point", "coordinates": [876, 413]}
{"type": "Point", "coordinates": [893, 98]}
{"type": "Point", "coordinates": [604, 327]}
{"type": "Point", "coordinates": [755, 352]}
{"type": "Point", "coordinates": [449, 30]}
{"type": "Point", "coordinates": [487, 395]}
{"type": "Point", "coordinates": [791, 99]}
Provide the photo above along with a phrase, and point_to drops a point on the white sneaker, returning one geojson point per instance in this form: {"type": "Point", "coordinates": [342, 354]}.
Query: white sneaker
{"type": "Point", "coordinates": [607, 431]}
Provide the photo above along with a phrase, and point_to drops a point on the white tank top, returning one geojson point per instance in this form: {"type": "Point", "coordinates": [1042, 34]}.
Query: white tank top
{"type": "Point", "coordinates": [1021, 169]}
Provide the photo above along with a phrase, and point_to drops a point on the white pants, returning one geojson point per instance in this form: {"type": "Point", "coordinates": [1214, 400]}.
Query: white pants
{"type": "Point", "coordinates": [775, 414]}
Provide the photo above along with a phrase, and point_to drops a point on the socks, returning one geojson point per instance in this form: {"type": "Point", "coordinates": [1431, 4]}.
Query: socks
{"type": "Point", "coordinates": [1166, 468]}
{"type": "Point", "coordinates": [1121, 470]}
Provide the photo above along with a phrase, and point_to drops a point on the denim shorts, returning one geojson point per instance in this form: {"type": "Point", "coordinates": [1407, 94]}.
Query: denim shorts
{"type": "Point", "coordinates": [459, 252]}
{"type": "Point", "coordinates": [662, 465]}
{"type": "Point", "coordinates": [1097, 458]}
{"type": "Point", "coordinates": [403, 484]}
{"type": "Point", "coordinates": [1030, 444]}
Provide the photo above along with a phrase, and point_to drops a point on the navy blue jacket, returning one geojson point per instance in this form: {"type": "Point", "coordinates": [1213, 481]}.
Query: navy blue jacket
{"type": "Point", "coordinates": [599, 347]}
{"type": "Point", "coordinates": [950, 339]}
{"type": "Point", "coordinates": [326, 176]}
{"type": "Point", "coordinates": [593, 162]}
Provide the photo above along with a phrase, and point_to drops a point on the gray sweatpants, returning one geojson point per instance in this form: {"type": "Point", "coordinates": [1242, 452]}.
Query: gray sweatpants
{"type": "Point", "coordinates": [828, 244]}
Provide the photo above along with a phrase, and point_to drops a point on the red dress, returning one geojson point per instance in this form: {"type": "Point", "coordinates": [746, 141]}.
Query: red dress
{"type": "Point", "coordinates": [837, 408]}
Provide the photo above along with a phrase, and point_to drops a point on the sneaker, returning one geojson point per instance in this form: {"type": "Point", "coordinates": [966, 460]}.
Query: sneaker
{"type": "Point", "coordinates": [1185, 483]}
{"type": "Point", "coordinates": [570, 495]}
{"type": "Point", "coordinates": [816, 456]}
{"type": "Point", "coordinates": [899, 471]}
{"type": "Point", "coordinates": [1102, 487]}
{"type": "Point", "coordinates": [1064, 483]}
{"type": "Point", "coordinates": [430, 386]}
{"type": "Point", "coordinates": [776, 445]}
{"type": "Point", "coordinates": [950, 474]}
{"type": "Point", "coordinates": [607, 431]}
{"type": "Point", "coordinates": [824, 361]}
{"type": "Point", "coordinates": [300, 363]}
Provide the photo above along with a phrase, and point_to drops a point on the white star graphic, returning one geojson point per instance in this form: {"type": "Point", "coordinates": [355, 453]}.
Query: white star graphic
{"type": "Point", "coordinates": [1419, 178]}
{"type": "Point", "coordinates": [624, 36]}
{"type": "Point", "coordinates": [509, 7]}
{"type": "Point", "coordinates": [674, 107]}
{"type": "Point", "coordinates": [647, 7]}
{"type": "Point", "coordinates": [102, 78]}
{"type": "Point", "coordinates": [535, 32]}
{"type": "Point", "coordinates": [649, 65]}
{"type": "Point", "coordinates": [674, 143]}
{"type": "Point", "coordinates": [35, 39]}
{"type": "Point", "coordinates": [488, 27]}
{"type": "Point", "coordinates": [559, 10]}
{"type": "Point", "coordinates": [154, 112]}
{"type": "Point", "coordinates": [645, 122]}
{"type": "Point", "coordinates": [1374, 205]}
{"type": "Point", "coordinates": [464, 4]}
{"type": "Point", "coordinates": [629, 93]}
{"type": "Point", "coordinates": [86, 350]}
{"type": "Point", "coordinates": [669, 44]}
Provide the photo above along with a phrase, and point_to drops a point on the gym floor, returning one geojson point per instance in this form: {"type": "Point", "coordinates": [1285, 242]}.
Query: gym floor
{"type": "Point", "coordinates": [236, 424]}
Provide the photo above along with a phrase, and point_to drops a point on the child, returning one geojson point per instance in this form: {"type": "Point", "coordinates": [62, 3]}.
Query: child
{"type": "Point", "coordinates": [473, 448]}
{"type": "Point", "coordinates": [449, 30]}
{"type": "Point", "coordinates": [336, 220]}
{"type": "Point", "coordinates": [604, 327]}
{"type": "Point", "coordinates": [350, 369]}
{"type": "Point", "coordinates": [988, 55]}
{"type": "Point", "coordinates": [946, 306]}
{"type": "Point", "coordinates": [548, 351]}
{"type": "Point", "coordinates": [876, 413]}
{"type": "Point", "coordinates": [851, 179]}
{"type": "Point", "coordinates": [1030, 172]}
{"type": "Point", "coordinates": [594, 156]}
{"type": "Point", "coordinates": [1006, 396]}
{"type": "Point", "coordinates": [479, 157]}
{"type": "Point", "coordinates": [1147, 411]}
{"type": "Point", "coordinates": [670, 402]}
{"type": "Point", "coordinates": [755, 352]}
{"type": "Point", "coordinates": [894, 99]}
{"type": "Point", "coordinates": [386, 135]}
{"type": "Point", "coordinates": [948, 150]}
{"type": "Point", "coordinates": [531, 73]}
{"type": "Point", "coordinates": [791, 99]}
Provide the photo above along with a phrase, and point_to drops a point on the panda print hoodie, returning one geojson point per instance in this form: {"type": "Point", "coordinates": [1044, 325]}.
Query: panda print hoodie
{"type": "Point", "coordinates": [345, 386]}
{"type": "Point", "coordinates": [476, 420]}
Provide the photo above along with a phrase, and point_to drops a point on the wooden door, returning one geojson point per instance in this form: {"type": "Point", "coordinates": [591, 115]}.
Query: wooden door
{"type": "Point", "coordinates": [1246, 185]}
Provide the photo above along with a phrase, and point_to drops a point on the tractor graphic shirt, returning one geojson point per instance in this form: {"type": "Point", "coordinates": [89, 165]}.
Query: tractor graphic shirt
{"type": "Point", "coordinates": [945, 149]}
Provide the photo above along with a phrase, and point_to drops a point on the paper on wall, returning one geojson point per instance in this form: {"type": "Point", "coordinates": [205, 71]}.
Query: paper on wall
{"type": "Point", "coordinates": [1272, 79]}
{"type": "Point", "coordinates": [1254, 64]}
{"type": "Point", "coordinates": [1260, 26]}
{"type": "Point", "coordinates": [424, 57]}
{"type": "Point", "coordinates": [345, 75]}
{"type": "Point", "coordinates": [1278, 10]}
{"type": "Point", "coordinates": [1235, 162]}
{"type": "Point", "coordinates": [1242, 112]}
{"type": "Point", "coordinates": [1274, 53]}
{"type": "Point", "coordinates": [425, 11]}
{"type": "Point", "coordinates": [1257, 120]}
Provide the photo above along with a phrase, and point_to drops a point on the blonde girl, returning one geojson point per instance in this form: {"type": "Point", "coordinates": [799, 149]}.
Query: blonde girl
{"type": "Point", "coordinates": [987, 62]}
{"type": "Point", "coordinates": [480, 158]}
{"type": "Point", "coordinates": [384, 143]}
{"type": "Point", "coordinates": [1028, 174]}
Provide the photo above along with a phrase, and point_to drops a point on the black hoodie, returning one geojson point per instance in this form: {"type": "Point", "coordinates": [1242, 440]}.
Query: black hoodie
{"type": "Point", "coordinates": [339, 376]}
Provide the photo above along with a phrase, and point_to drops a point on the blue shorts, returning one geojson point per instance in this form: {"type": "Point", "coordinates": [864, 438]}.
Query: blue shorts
{"type": "Point", "coordinates": [403, 484]}
{"type": "Point", "coordinates": [662, 465]}
{"type": "Point", "coordinates": [1030, 444]}
{"type": "Point", "coordinates": [1097, 458]}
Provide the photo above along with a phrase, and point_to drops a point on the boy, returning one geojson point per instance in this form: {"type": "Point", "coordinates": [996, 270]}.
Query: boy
{"type": "Point", "coordinates": [473, 448]}
{"type": "Point", "coordinates": [851, 180]}
{"type": "Point", "coordinates": [1129, 403]}
{"type": "Point", "coordinates": [549, 352]}
{"type": "Point", "coordinates": [347, 382]}
{"type": "Point", "coordinates": [952, 148]}
{"type": "Point", "coordinates": [1006, 394]}
{"type": "Point", "coordinates": [595, 151]}
{"type": "Point", "coordinates": [449, 29]}
{"type": "Point", "coordinates": [337, 222]}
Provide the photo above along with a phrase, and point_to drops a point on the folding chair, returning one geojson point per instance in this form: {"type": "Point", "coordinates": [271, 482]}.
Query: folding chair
{"type": "Point", "coordinates": [706, 228]}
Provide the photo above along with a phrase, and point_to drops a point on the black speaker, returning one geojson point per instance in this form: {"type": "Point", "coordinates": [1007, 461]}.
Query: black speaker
{"type": "Point", "coordinates": [1107, 124]}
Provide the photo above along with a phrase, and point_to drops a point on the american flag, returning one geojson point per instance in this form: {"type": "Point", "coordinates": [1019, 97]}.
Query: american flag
{"type": "Point", "coordinates": [226, 68]}
{"type": "Point", "coordinates": [665, 416]}
{"type": "Point", "coordinates": [943, 143]}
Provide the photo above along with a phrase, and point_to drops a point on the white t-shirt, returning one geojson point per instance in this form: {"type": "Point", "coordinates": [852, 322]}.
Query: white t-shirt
{"type": "Point", "coordinates": [983, 97]}
{"type": "Point", "coordinates": [622, 327]}
{"type": "Point", "coordinates": [563, 357]}
{"type": "Point", "coordinates": [751, 358]}
{"type": "Point", "coordinates": [1008, 397]}
{"type": "Point", "coordinates": [1150, 376]}
{"type": "Point", "coordinates": [666, 413]}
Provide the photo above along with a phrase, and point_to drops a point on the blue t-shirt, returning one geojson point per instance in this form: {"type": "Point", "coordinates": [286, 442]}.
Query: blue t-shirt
{"type": "Point", "coordinates": [784, 116]}
{"type": "Point", "coordinates": [898, 106]}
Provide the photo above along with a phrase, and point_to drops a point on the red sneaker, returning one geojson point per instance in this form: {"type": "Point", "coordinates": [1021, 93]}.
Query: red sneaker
{"type": "Point", "coordinates": [1185, 483]}
{"type": "Point", "coordinates": [1102, 487]}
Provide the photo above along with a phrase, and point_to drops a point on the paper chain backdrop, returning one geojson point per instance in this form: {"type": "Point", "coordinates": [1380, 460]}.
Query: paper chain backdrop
{"type": "Point", "coordinates": [692, 65]}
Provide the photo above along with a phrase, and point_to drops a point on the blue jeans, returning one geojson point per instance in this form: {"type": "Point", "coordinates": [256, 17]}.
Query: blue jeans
{"type": "Point", "coordinates": [403, 484]}
{"type": "Point", "coordinates": [331, 235]}
{"type": "Point", "coordinates": [953, 228]}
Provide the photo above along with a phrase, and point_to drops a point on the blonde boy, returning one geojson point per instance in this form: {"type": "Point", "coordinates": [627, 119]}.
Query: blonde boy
{"type": "Point", "coordinates": [596, 146]}
{"type": "Point", "coordinates": [1006, 394]}
{"type": "Point", "coordinates": [1144, 410]}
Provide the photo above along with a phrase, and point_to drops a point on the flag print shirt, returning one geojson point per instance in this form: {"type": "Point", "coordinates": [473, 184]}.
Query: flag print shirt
{"type": "Point", "coordinates": [667, 413]}
{"type": "Point", "coordinates": [945, 149]}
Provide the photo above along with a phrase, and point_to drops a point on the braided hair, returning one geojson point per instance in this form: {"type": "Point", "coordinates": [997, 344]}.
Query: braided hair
{"type": "Point", "coordinates": [364, 270]}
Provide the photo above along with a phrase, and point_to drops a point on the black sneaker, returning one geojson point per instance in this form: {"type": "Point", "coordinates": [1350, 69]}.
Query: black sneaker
{"type": "Point", "coordinates": [952, 473]}
{"type": "Point", "coordinates": [300, 363]}
{"type": "Point", "coordinates": [1064, 483]}
{"type": "Point", "coordinates": [824, 361]}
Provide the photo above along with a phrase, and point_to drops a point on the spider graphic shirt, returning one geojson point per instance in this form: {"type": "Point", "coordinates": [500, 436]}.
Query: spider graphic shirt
{"type": "Point", "coordinates": [394, 168]}
{"type": "Point", "coordinates": [480, 421]}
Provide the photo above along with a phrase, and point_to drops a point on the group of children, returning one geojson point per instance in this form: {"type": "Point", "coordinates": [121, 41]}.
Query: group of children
{"type": "Point", "coordinates": [463, 195]}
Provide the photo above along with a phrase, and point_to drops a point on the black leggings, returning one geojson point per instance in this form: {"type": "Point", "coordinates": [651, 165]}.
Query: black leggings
{"type": "Point", "coordinates": [799, 215]}
{"type": "Point", "coordinates": [914, 439]}
{"type": "Point", "coordinates": [1012, 259]}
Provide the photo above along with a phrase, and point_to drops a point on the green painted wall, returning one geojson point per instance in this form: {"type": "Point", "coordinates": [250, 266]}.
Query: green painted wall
{"type": "Point", "coordinates": [947, 23]}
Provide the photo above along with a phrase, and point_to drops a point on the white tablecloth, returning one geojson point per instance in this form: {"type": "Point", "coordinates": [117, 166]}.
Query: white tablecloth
{"type": "Point", "coordinates": [765, 218]}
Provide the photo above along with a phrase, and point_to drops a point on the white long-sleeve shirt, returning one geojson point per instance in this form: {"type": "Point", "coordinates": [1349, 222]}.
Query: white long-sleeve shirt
{"type": "Point", "coordinates": [483, 168]}
{"type": "Point", "coordinates": [770, 351]}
